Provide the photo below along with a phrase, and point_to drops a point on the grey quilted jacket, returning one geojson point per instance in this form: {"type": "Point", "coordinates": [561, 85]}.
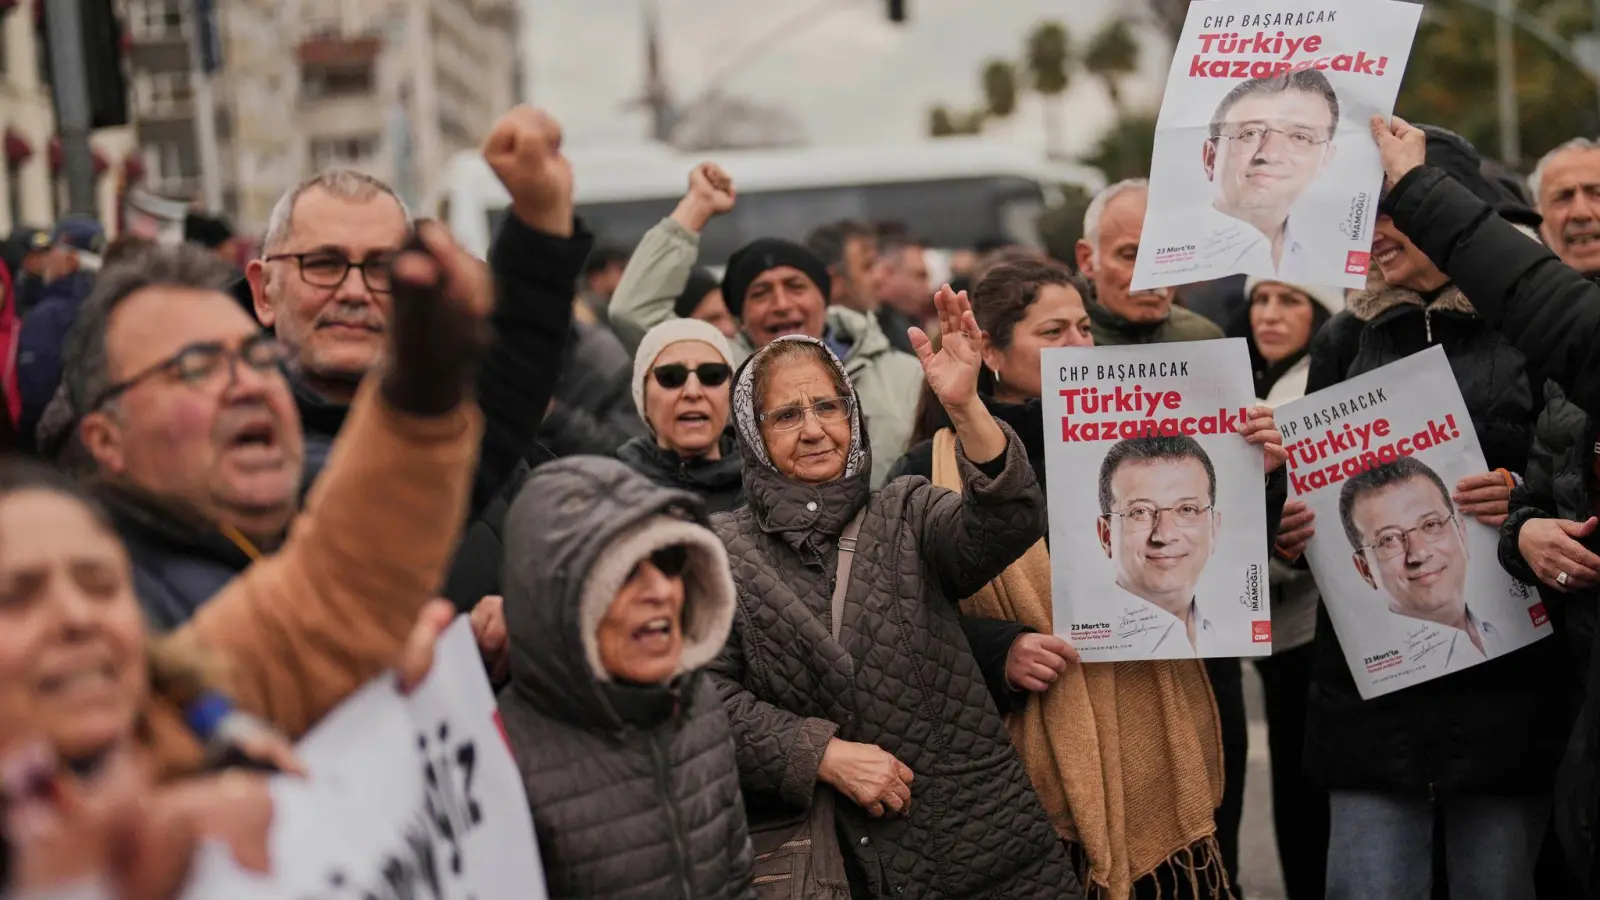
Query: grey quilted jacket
{"type": "Point", "coordinates": [901, 676]}
{"type": "Point", "coordinates": [634, 789]}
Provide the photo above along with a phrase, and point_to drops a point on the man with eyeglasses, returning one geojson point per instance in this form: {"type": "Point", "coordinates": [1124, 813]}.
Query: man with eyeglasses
{"type": "Point", "coordinates": [199, 414]}
{"type": "Point", "coordinates": [1158, 524]}
{"type": "Point", "coordinates": [1409, 542]}
{"type": "Point", "coordinates": [1269, 140]}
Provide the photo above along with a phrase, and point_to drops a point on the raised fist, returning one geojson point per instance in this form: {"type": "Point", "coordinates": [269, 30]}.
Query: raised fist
{"type": "Point", "coordinates": [713, 186]}
{"type": "Point", "coordinates": [524, 149]}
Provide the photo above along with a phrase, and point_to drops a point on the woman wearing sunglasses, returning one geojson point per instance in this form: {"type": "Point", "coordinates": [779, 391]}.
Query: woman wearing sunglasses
{"type": "Point", "coordinates": [847, 678]}
{"type": "Point", "coordinates": [614, 606]}
{"type": "Point", "coordinates": [680, 385]}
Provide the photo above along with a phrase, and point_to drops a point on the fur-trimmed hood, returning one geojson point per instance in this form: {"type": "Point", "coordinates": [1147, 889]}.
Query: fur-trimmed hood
{"type": "Point", "coordinates": [1380, 297]}
{"type": "Point", "coordinates": [572, 537]}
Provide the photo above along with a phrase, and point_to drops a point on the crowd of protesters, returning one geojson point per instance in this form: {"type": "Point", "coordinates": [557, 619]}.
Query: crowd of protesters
{"type": "Point", "coordinates": [758, 563]}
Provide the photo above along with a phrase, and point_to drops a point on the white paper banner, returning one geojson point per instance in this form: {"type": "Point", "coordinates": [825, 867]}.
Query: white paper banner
{"type": "Point", "coordinates": [409, 796]}
{"type": "Point", "coordinates": [1264, 161]}
{"type": "Point", "coordinates": [1414, 588]}
{"type": "Point", "coordinates": [1158, 530]}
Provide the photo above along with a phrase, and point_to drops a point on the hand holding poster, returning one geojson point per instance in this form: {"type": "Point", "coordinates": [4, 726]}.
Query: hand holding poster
{"type": "Point", "coordinates": [408, 796]}
{"type": "Point", "coordinates": [1264, 161]}
{"type": "Point", "coordinates": [1158, 529]}
{"type": "Point", "coordinates": [1414, 586]}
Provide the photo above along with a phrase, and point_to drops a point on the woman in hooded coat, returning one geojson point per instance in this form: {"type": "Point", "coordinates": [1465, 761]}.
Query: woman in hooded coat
{"type": "Point", "coordinates": [886, 705]}
{"type": "Point", "coordinates": [614, 605]}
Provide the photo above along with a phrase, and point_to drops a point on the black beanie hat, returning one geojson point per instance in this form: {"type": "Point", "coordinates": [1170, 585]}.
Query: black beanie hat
{"type": "Point", "coordinates": [700, 284]}
{"type": "Point", "coordinates": [748, 262]}
{"type": "Point", "coordinates": [1456, 155]}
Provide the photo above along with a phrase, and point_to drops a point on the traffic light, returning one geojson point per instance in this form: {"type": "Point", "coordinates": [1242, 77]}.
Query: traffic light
{"type": "Point", "coordinates": [897, 11]}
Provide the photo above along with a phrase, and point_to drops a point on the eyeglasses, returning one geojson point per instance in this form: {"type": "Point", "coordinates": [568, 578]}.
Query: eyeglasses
{"type": "Point", "coordinates": [321, 268]}
{"type": "Point", "coordinates": [669, 561]}
{"type": "Point", "coordinates": [1143, 516]}
{"type": "Point", "coordinates": [788, 418]}
{"type": "Point", "coordinates": [197, 365]}
{"type": "Point", "coordinates": [675, 375]}
{"type": "Point", "coordinates": [1394, 542]}
{"type": "Point", "coordinates": [1299, 140]}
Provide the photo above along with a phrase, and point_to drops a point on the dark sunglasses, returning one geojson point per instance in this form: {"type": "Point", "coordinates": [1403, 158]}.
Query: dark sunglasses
{"type": "Point", "coordinates": [675, 375]}
{"type": "Point", "coordinates": [670, 561]}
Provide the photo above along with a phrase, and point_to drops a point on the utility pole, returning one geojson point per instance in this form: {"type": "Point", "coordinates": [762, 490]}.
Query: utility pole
{"type": "Point", "coordinates": [1505, 54]}
{"type": "Point", "coordinates": [203, 62]}
{"type": "Point", "coordinates": [70, 89]}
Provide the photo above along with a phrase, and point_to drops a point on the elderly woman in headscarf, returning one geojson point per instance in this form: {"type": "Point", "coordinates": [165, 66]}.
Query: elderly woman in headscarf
{"type": "Point", "coordinates": [846, 670]}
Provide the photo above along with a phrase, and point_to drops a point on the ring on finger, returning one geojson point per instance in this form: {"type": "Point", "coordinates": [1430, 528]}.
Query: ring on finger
{"type": "Point", "coordinates": [1561, 579]}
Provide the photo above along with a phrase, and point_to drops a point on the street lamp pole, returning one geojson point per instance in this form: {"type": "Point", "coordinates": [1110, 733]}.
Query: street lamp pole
{"type": "Point", "coordinates": [1505, 55]}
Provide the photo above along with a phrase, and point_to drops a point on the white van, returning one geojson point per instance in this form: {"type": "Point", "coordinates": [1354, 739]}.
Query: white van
{"type": "Point", "coordinates": [953, 192]}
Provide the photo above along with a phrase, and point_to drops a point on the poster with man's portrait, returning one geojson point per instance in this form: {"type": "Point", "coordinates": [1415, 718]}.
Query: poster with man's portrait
{"type": "Point", "coordinates": [1264, 162]}
{"type": "Point", "coordinates": [1413, 585]}
{"type": "Point", "coordinates": [1158, 530]}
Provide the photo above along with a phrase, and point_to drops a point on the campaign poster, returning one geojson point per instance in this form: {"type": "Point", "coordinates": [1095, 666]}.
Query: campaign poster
{"type": "Point", "coordinates": [1413, 586]}
{"type": "Point", "coordinates": [1158, 531]}
{"type": "Point", "coordinates": [408, 796]}
{"type": "Point", "coordinates": [1264, 161]}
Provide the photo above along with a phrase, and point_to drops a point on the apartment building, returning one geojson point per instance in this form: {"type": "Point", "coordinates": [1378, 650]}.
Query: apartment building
{"type": "Point", "coordinates": [390, 87]}
{"type": "Point", "coordinates": [33, 191]}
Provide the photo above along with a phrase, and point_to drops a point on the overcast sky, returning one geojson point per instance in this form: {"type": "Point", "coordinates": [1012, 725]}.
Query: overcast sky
{"type": "Point", "coordinates": [849, 75]}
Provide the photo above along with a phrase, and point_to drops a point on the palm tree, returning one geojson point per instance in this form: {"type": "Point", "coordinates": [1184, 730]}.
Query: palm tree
{"type": "Point", "coordinates": [1112, 54]}
{"type": "Point", "coordinates": [1049, 66]}
{"type": "Point", "coordinates": [1000, 88]}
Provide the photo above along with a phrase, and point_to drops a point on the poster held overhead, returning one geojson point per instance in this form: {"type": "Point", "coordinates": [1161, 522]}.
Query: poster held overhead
{"type": "Point", "coordinates": [1158, 529]}
{"type": "Point", "coordinates": [1413, 586]}
{"type": "Point", "coordinates": [1264, 162]}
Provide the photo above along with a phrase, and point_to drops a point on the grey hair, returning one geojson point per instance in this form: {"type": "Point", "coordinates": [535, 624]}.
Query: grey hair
{"type": "Point", "coordinates": [85, 359]}
{"type": "Point", "coordinates": [346, 184]}
{"type": "Point", "coordinates": [1097, 209]}
{"type": "Point", "coordinates": [1577, 143]}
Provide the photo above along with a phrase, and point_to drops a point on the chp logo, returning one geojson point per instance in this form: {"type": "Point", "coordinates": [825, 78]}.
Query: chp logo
{"type": "Point", "coordinates": [1261, 631]}
{"type": "Point", "coordinates": [1538, 615]}
{"type": "Point", "coordinates": [1356, 262]}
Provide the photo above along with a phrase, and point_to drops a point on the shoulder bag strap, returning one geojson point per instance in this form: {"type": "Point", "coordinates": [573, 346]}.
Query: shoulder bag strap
{"type": "Point", "coordinates": [847, 556]}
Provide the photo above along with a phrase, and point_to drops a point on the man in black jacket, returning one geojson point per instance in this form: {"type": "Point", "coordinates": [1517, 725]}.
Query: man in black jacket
{"type": "Point", "coordinates": [1550, 312]}
{"type": "Point", "coordinates": [535, 259]}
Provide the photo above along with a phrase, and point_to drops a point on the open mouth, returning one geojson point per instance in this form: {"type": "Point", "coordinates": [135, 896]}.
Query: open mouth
{"type": "Point", "coordinates": [788, 326]}
{"type": "Point", "coordinates": [1582, 238]}
{"type": "Point", "coordinates": [1386, 251]}
{"type": "Point", "coordinates": [86, 678]}
{"type": "Point", "coordinates": [655, 631]}
{"type": "Point", "coordinates": [694, 418]}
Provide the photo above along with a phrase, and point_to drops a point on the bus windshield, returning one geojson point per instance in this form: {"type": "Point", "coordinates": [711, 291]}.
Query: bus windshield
{"type": "Point", "coordinates": [947, 213]}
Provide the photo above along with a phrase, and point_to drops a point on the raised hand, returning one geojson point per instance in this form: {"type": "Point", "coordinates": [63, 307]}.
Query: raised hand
{"type": "Point", "coordinates": [952, 372]}
{"type": "Point", "coordinates": [711, 193]}
{"type": "Point", "coordinates": [1401, 145]}
{"type": "Point", "coordinates": [524, 150]}
{"type": "Point", "coordinates": [438, 329]}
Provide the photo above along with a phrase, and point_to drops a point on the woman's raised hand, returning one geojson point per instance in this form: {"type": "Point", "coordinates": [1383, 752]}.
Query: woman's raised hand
{"type": "Point", "coordinates": [952, 372]}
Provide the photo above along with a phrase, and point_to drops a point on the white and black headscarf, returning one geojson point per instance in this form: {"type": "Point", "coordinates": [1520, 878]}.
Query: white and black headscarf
{"type": "Point", "coordinates": [747, 418]}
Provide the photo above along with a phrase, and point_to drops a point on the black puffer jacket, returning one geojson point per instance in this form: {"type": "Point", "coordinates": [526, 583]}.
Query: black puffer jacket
{"type": "Point", "coordinates": [900, 676]}
{"type": "Point", "coordinates": [634, 789]}
{"type": "Point", "coordinates": [719, 482]}
{"type": "Point", "coordinates": [1552, 313]}
{"type": "Point", "coordinates": [1496, 728]}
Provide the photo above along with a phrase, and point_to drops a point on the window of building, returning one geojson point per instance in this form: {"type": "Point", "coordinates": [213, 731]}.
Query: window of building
{"type": "Point", "coordinates": [165, 172]}
{"type": "Point", "coordinates": [155, 19]}
{"type": "Point", "coordinates": [336, 82]}
{"type": "Point", "coordinates": [163, 95]}
{"type": "Point", "coordinates": [343, 151]}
